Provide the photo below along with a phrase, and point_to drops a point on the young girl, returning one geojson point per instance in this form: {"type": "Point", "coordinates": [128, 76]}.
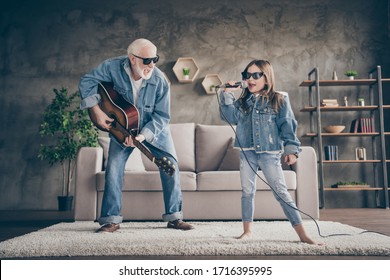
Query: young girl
{"type": "Point", "coordinates": [266, 128]}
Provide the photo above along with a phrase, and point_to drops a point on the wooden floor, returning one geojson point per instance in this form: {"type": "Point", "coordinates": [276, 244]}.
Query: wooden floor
{"type": "Point", "coordinates": [14, 224]}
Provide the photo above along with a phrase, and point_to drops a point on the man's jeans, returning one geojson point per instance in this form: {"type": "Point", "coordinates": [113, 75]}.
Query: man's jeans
{"type": "Point", "coordinates": [271, 166]}
{"type": "Point", "coordinates": [112, 197]}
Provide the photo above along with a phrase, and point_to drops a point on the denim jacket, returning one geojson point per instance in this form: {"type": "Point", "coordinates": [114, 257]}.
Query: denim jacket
{"type": "Point", "coordinates": [153, 102]}
{"type": "Point", "coordinates": [260, 127]}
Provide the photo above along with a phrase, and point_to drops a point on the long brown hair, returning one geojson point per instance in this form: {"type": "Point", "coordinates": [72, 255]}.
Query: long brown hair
{"type": "Point", "coordinates": [268, 91]}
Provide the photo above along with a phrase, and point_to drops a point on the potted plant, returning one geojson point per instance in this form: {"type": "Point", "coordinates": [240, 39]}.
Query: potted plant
{"type": "Point", "coordinates": [69, 128]}
{"type": "Point", "coordinates": [186, 73]}
{"type": "Point", "coordinates": [351, 74]}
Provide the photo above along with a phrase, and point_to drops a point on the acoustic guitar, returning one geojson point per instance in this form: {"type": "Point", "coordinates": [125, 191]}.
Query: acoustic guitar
{"type": "Point", "coordinates": [126, 123]}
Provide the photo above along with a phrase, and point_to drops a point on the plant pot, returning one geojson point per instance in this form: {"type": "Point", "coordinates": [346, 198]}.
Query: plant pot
{"type": "Point", "coordinates": [351, 77]}
{"type": "Point", "coordinates": [186, 77]}
{"type": "Point", "coordinates": [65, 203]}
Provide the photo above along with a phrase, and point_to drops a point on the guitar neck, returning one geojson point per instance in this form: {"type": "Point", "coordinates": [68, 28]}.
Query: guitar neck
{"type": "Point", "coordinates": [143, 149]}
{"type": "Point", "coordinates": [138, 144]}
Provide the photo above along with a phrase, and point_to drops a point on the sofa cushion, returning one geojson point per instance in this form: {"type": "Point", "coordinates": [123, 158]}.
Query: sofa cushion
{"type": "Point", "coordinates": [150, 181]}
{"type": "Point", "coordinates": [183, 135]}
{"type": "Point", "coordinates": [134, 163]}
{"type": "Point", "coordinates": [230, 181]}
{"type": "Point", "coordinates": [211, 142]}
{"type": "Point", "coordinates": [231, 159]}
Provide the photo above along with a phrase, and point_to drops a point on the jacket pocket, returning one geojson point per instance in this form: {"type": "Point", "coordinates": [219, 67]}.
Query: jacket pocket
{"type": "Point", "coordinates": [148, 103]}
{"type": "Point", "coordinates": [267, 116]}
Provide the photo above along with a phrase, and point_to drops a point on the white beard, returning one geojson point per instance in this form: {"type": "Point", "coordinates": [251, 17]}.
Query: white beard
{"type": "Point", "coordinates": [141, 73]}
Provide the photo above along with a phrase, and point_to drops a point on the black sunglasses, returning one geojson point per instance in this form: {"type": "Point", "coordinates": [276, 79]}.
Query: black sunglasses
{"type": "Point", "coordinates": [147, 61]}
{"type": "Point", "coordinates": [256, 75]}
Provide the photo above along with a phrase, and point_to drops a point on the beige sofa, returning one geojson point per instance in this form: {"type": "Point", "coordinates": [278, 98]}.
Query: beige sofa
{"type": "Point", "coordinates": [210, 180]}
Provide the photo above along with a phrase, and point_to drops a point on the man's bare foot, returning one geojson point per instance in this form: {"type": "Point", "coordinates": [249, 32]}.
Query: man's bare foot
{"type": "Point", "coordinates": [245, 235]}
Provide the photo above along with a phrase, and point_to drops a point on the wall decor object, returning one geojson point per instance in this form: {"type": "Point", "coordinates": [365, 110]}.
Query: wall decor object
{"type": "Point", "coordinates": [185, 65]}
{"type": "Point", "coordinates": [334, 77]}
{"type": "Point", "coordinates": [351, 74]}
{"type": "Point", "coordinates": [210, 82]}
{"type": "Point", "coordinates": [334, 128]}
{"type": "Point", "coordinates": [360, 153]}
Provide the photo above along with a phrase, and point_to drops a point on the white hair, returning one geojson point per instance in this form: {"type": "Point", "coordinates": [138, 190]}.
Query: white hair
{"type": "Point", "coordinates": [138, 44]}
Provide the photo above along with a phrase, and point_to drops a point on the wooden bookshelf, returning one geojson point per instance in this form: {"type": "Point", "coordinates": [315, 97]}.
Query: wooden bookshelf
{"type": "Point", "coordinates": [324, 83]}
{"type": "Point", "coordinates": [354, 189]}
{"type": "Point", "coordinates": [345, 134]}
{"type": "Point", "coordinates": [340, 108]}
{"type": "Point", "coordinates": [375, 107]}
{"type": "Point", "coordinates": [352, 161]}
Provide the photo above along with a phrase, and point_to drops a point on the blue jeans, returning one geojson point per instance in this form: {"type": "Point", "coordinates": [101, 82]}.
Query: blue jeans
{"type": "Point", "coordinates": [112, 197]}
{"type": "Point", "coordinates": [272, 169]}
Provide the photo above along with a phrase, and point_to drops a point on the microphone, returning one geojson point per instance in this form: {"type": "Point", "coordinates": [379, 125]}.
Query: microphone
{"type": "Point", "coordinates": [242, 84]}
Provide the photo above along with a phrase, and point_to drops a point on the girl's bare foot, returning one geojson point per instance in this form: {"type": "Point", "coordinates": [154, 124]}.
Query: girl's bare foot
{"type": "Point", "coordinates": [310, 241]}
{"type": "Point", "coordinates": [303, 236]}
{"type": "Point", "coordinates": [247, 230]}
{"type": "Point", "coordinates": [245, 235]}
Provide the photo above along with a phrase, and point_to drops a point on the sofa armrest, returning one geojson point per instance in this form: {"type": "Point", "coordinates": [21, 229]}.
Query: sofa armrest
{"type": "Point", "coordinates": [307, 182]}
{"type": "Point", "coordinates": [89, 163]}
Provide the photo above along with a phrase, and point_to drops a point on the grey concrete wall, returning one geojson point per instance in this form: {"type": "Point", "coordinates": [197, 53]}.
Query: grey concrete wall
{"type": "Point", "coordinates": [46, 44]}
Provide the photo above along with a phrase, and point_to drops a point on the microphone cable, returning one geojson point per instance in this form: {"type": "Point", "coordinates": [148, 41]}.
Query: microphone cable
{"type": "Point", "coordinates": [257, 175]}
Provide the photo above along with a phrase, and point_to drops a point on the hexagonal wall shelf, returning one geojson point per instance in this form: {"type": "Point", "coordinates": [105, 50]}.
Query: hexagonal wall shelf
{"type": "Point", "coordinates": [209, 81]}
{"type": "Point", "coordinates": [181, 65]}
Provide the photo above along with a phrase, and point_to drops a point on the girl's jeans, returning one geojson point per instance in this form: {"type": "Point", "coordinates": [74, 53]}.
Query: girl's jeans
{"type": "Point", "coordinates": [112, 197]}
{"type": "Point", "coordinates": [271, 166]}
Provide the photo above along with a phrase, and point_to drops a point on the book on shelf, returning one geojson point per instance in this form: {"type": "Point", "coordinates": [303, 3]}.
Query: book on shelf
{"type": "Point", "coordinates": [329, 103]}
{"type": "Point", "coordinates": [362, 125]}
{"type": "Point", "coordinates": [329, 100]}
{"type": "Point", "coordinates": [331, 152]}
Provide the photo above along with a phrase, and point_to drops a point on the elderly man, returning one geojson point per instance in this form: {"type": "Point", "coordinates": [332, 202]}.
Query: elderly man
{"type": "Point", "coordinates": [136, 78]}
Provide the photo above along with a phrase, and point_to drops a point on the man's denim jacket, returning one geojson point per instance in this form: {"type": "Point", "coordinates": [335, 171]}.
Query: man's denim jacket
{"type": "Point", "coordinates": [153, 102]}
{"type": "Point", "coordinates": [260, 127]}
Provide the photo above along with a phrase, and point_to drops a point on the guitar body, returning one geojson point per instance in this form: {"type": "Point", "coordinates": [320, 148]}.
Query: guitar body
{"type": "Point", "coordinates": [116, 107]}
{"type": "Point", "coordinates": [126, 123]}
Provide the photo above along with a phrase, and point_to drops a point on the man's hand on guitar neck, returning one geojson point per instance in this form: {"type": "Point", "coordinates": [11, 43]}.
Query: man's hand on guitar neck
{"type": "Point", "coordinates": [101, 118]}
{"type": "Point", "coordinates": [129, 140]}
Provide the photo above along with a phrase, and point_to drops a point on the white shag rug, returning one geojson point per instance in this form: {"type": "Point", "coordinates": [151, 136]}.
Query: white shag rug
{"type": "Point", "coordinates": [207, 239]}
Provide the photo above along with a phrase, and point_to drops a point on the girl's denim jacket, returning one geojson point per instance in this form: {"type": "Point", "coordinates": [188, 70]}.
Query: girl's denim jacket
{"type": "Point", "coordinates": [260, 127]}
{"type": "Point", "coordinates": [153, 102]}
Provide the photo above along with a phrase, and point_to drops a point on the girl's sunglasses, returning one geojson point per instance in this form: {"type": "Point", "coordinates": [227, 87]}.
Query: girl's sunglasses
{"type": "Point", "coordinates": [256, 75]}
{"type": "Point", "coordinates": [147, 61]}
